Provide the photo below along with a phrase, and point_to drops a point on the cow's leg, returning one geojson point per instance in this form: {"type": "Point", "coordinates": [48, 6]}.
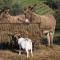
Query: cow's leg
{"type": "Point", "coordinates": [48, 37]}
{"type": "Point", "coordinates": [51, 37]}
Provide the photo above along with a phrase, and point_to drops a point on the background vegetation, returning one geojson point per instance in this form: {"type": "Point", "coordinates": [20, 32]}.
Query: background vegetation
{"type": "Point", "coordinates": [43, 7]}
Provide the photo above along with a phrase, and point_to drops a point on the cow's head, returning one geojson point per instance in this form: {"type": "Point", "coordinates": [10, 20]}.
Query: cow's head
{"type": "Point", "coordinates": [28, 13]}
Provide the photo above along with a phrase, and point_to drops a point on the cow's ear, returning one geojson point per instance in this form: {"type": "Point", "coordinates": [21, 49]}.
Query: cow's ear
{"type": "Point", "coordinates": [32, 7]}
{"type": "Point", "coordinates": [24, 9]}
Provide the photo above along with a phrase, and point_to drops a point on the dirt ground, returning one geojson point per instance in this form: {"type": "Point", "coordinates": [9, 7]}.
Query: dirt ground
{"type": "Point", "coordinates": [42, 53]}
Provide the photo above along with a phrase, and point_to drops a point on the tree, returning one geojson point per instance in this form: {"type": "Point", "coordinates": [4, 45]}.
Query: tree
{"type": "Point", "coordinates": [13, 5]}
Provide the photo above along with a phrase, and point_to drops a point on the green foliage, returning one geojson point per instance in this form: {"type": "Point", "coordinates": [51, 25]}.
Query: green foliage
{"type": "Point", "coordinates": [55, 5]}
{"type": "Point", "coordinates": [41, 8]}
{"type": "Point", "coordinates": [57, 15]}
{"type": "Point", "coordinates": [17, 6]}
{"type": "Point", "coordinates": [14, 5]}
{"type": "Point", "coordinates": [16, 9]}
{"type": "Point", "coordinates": [4, 3]}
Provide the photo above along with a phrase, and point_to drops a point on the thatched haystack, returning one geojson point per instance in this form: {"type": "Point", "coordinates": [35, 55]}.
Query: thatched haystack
{"type": "Point", "coordinates": [11, 24]}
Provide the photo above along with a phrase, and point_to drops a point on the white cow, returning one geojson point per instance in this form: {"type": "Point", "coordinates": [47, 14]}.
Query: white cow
{"type": "Point", "coordinates": [25, 43]}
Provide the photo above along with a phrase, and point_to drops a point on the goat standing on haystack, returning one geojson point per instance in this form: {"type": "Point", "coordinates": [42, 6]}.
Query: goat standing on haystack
{"type": "Point", "coordinates": [25, 44]}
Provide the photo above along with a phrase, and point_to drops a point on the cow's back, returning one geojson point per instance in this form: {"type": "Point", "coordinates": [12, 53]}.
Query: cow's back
{"type": "Point", "coordinates": [47, 22]}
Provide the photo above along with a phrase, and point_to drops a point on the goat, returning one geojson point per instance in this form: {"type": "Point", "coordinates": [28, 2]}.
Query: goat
{"type": "Point", "coordinates": [25, 43]}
